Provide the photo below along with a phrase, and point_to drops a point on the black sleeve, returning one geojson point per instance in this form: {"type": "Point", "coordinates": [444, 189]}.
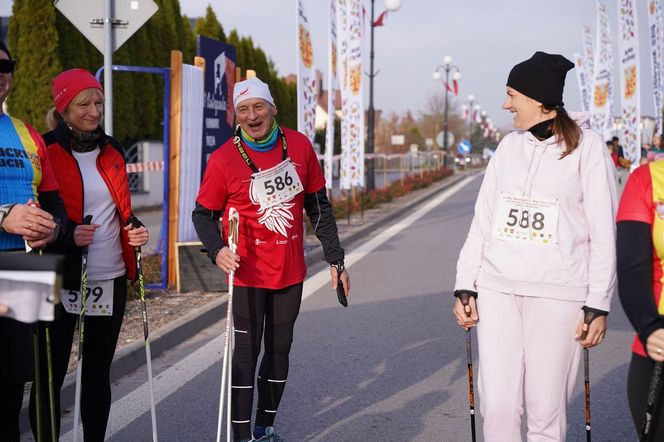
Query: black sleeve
{"type": "Point", "coordinates": [206, 223]}
{"type": "Point", "coordinates": [634, 256]}
{"type": "Point", "coordinates": [321, 216]}
{"type": "Point", "coordinates": [52, 203]}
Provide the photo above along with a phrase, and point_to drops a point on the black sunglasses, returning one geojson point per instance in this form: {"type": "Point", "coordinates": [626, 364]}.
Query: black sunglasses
{"type": "Point", "coordinates": [7, 66]}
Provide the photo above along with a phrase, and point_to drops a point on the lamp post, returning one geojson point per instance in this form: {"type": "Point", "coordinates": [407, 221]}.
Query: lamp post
{"type": "Point", "coordinates": [447, 66]}
{"type": "Point", "coordinates": [471, 101]}
{"type": "Point", "coordinates": [391, 5]}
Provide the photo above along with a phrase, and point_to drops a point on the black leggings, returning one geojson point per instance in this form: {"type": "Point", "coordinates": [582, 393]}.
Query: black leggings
{"type": "Point", "coordinates": [11, 398]}
{"type": "Point", "coordinates": [638, 383]}
{"type": "Point", "coordinates": [101, 337]}
{"type": "Point", "coordinates": [255, 309]}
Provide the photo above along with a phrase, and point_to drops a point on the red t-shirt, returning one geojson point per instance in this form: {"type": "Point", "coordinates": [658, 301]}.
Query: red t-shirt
{"type": "Point", "coordinates": [637, 204]}
{"type": "Point", "coordinates": [268, 259]}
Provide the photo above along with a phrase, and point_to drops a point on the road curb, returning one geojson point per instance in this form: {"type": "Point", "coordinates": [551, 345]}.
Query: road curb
{"type": "Point", "coordinates": [132, 356]}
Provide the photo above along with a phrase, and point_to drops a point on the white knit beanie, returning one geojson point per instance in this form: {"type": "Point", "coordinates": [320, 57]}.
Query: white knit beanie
{"type": "Point", "coordinates": [251, 88]}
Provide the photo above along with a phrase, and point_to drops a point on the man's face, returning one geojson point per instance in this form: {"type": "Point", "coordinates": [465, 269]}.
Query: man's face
{"type": "Point", "coordinates": [255, 117]}
{"type": "Point", "coordinates": [5, 81]}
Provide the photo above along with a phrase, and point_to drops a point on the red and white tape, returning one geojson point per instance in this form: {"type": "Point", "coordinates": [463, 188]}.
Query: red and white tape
{"type": "Point", "coordinates": [145, 167]}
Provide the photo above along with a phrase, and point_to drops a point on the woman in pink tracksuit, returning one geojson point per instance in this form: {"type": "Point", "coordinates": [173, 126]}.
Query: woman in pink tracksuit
{"type": "Point", "coordinates": [537, 271]}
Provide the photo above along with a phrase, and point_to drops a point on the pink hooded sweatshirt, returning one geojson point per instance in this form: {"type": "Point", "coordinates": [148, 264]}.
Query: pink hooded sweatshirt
{"type": "Point", "coordinates": [580, 266]}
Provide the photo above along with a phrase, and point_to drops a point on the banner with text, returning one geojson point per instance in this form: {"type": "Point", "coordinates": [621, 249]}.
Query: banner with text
{"type": "Point", "coordinates": [656, 26]}
{"type": "Point", "coordinates": [343, 75]}
{"type": "Point", "coordinates": [582, 79]}
{"type": "Point", "coordinates": [306, 78]}
{"type": "Point", "coordinates": [628, 51]}
{"type": "Point", "coordinates": [332, 86]}
{"type": "Point", "coordinates": [600, 105]}
{"type": "Point", "coordinates": [356, 95]}
{"type": "Point", "coordinates": [218, 110]}
{"type": "Point", "coordinates": [588, 55]}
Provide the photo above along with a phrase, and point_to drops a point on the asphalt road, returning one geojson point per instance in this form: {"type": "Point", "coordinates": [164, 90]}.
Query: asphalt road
{"type": "Point", "coordinates": [391, 367]}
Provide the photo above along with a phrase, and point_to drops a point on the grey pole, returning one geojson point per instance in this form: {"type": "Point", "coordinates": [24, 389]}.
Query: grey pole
{"type": "Point", "coordinates": [370, 180]}
{"type": "Point", "coordinates": [108, 67]}
{"type": "Point", "coordinates": [447, 81]}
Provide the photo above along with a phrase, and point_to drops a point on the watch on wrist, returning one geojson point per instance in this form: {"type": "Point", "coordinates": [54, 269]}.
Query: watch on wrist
{"type": "Point", "coordinates": [4, 212]}
{"type": "Point", "coordinates": [339, 265]}
{"type": "Point", "coordinates": [56, 230]}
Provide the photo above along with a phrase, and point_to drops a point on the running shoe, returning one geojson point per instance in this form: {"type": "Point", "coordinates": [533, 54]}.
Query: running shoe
{"type": "Point", "coordinates": [270, 436]}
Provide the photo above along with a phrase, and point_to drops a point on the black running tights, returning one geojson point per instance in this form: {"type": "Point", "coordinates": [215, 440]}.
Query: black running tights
{"type": "Point", "coordinates": [270, 315]}
{"type": "Point", "coordinates": [101, 337]}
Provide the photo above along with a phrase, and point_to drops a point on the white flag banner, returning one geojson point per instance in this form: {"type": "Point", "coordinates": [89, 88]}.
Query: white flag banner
{"type": "Point", "coordinates": [628, 51]}
{"type": "Point", "coordinates": [332, 86]}
{"type": "Point", "coordinates": [588, 50]}
{"type": "Point", "coordinates": [306, 79]}
{"type": "Point", "coordinates": [355, 96]}
{"type": "Point", "coordinates": [600, 105]}
{"type": "Point", "coordinates": [588, 60]}
{"type": "Point", "coordinates": [582, 78]}
{"type": "Point", "coordinates": [343, 9]}
{"type": "Point", "coordinates": [656, 26]}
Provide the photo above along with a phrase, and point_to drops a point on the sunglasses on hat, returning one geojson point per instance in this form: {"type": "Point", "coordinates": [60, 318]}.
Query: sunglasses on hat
{"type": "Point", "coordinates": [7, 66]}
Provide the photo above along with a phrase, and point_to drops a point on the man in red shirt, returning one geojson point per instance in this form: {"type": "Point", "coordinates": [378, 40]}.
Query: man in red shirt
{"type": "Point", "coordinates": [269, 174]}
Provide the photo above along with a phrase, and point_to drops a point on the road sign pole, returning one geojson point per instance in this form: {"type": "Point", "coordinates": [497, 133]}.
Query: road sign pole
{"type": "Point", "coordinates": [108, 66]}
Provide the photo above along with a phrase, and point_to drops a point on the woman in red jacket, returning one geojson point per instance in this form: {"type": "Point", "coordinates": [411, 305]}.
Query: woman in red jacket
{"type": "Point", "coordinates": [90, 169]}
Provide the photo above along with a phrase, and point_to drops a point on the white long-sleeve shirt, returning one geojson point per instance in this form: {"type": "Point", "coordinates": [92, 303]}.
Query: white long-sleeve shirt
{"type": "Point", "coordinates": [578, 264]}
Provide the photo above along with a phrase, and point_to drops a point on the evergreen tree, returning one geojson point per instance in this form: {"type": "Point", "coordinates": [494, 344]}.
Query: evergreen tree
{"type": "Point", "coordinates": [189, 48]}
{"type": "Point", "coordinates": [34, 44]}
{"type": "Point", "coordinates": [209, 26]}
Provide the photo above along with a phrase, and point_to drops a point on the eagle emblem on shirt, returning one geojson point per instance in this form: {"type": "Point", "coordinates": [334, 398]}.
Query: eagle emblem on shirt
{"type": "Point", "coordinates": [275, 218]}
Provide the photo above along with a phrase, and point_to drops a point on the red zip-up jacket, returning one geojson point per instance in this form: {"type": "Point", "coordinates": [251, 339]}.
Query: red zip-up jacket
{"type": "Point", "coordinates": [112, 168]}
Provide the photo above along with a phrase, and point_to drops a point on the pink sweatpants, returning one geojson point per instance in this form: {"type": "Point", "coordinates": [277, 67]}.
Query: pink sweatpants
{"type": "Point", "coordinates": [527, 351]}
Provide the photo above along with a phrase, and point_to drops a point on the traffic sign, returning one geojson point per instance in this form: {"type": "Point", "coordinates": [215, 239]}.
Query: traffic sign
{"type": "Point", "coordinates": [464, 147]}
{"type": "Point", "coordinates": [88, 17]}
{"type": "Point", "coordinates": [440, 139]}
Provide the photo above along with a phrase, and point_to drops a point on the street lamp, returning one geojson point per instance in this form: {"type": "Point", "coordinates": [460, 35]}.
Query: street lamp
{"type": "Point", "coordinates": [391, 5]}
{"type": "Point", "coordinates": [471, 101]}
{"type": "Point", "coordinates": [447, 66]}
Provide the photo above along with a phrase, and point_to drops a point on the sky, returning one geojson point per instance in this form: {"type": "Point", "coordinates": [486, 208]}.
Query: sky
{"type": "Point", "coordinates": [485, 38]}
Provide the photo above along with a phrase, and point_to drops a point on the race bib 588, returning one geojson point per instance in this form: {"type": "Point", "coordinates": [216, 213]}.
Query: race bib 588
{"type": "Point", "coordinates": [527, 219]}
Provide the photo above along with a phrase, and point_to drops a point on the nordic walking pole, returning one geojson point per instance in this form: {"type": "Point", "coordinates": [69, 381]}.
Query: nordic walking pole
{"type": "Point", "coordinates": [144, 310]}
{"type": "Point", "coordinates": [586, 381]}
{"type": "Point", "coordinates": [654, 393]}
{"type": "Point", "coordinates": [38, 395]}
{"type": "Point", "coordinates": [464, 297]}
{"type": "Point", "coordinates": [81, 334]}
{"type": "Point", "coordinates": [226, 371]}
{"type": "Point", "coordinates": [49, 371]}
{"type": "Point", "coordinates": [51, 388]}
{"type": "Point", "coordinates": [471, 389]}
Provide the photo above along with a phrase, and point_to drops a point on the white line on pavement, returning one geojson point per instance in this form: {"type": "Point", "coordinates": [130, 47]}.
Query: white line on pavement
{"type": "Point", "coordinates": [128, 408]}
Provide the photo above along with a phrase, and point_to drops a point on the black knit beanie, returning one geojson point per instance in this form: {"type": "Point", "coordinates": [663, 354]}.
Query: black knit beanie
{"type": "Point", "coordinates": [4, 48]}
{"type": "Point", "coordinates": [541, 77]}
